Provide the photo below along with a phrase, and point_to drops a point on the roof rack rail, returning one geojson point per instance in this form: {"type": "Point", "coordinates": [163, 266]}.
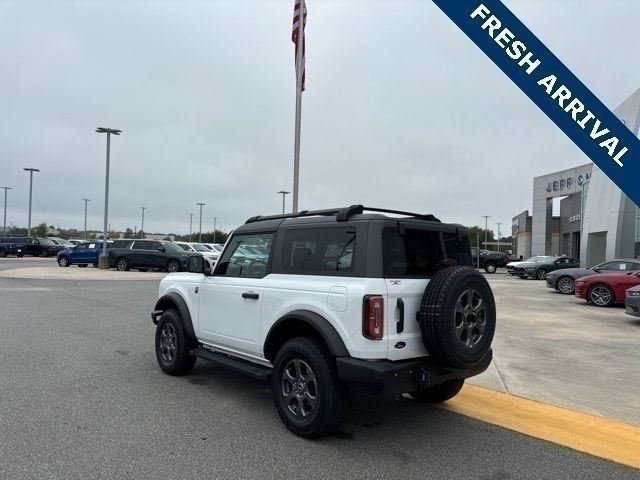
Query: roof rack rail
{"type": "Point", "coordinates": [341, 214]}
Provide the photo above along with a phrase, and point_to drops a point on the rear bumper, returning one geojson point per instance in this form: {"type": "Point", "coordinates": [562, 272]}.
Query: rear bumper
{"type": "Point", "coordinates": [405, 376]}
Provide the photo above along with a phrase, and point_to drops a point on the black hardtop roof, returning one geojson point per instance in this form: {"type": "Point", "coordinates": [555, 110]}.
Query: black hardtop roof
{"type": "Point", "coordinates": [352, 213]}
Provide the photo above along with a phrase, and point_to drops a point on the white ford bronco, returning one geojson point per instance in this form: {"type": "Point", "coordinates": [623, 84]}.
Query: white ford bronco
{"type": "Point", "coordinates": [316, 301]}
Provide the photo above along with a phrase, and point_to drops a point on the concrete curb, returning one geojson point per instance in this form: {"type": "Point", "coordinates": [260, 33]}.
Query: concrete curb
{"type": "Point", "coordinates": [76, 273]}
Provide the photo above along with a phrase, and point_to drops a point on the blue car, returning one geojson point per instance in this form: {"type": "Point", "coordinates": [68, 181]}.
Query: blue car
{"type": "Point", "coordinates": [81, 255]}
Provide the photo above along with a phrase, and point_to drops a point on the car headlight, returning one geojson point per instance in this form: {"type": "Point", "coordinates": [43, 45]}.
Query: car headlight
{"type": "Point", "coordinates": [633, 293]}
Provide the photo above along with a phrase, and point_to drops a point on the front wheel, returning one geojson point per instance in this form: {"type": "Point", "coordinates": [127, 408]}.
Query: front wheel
{"type": "Point", "coordinates": [490, 268]}
{"type": "Point", "coordinates": [173, 266]}
{"type": "Point", "coordinates": [307, 392]}
{"type": "Point", "coordinates": [601, 296]}
{"type": "Point", "coordinates": [541, 274]}
{"type": "Point", "coordinates": [63, 262]}
{"type": "Point", "coordinates": [439, 393]}
{"type": "Point", "coordinates": [172, 345]}
{"type": "Point", "coordinates": [566, 285]}
{"type": "Point", "coordinates": [3, 252]}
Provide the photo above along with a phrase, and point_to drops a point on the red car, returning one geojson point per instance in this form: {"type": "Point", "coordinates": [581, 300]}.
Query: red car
{"type": "Point", "coordinates": [603, 290]}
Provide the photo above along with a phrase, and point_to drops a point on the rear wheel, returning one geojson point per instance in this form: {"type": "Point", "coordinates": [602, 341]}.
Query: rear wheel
{"type": "Point", "coordinates": [490, 267]}
{"type": "Point", "coordinates": [601, 296]}
{"type": "Point", "coordinates": [122, 264]}
{"type": "Point", "coordinates": [566, 285]}
{"type": "Point", "coordinates": [63, 262]}
{"type": "Point", "coordinates": [439, 393]}
{"type": "Point", "coordinates": [307, 392]}
{"type": "Point", "coordinates": [3, 252]}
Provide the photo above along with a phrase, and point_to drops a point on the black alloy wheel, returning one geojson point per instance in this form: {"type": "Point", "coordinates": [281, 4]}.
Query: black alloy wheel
{"type": "Point", "coordinates": [541, 274]}
{"type": "Point", "coordinates": [173, 266]}
{"type": "Point", "coordinates": [470, 318]}
{"type": "Point", "coordinates": [173, 345]}
{"type": "Point", "coordinates": [122, 264]}
{"type": "Point", "coordinates": [566, 285]}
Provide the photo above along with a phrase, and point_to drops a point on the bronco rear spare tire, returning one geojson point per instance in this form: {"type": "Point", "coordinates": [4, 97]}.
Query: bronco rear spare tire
{"type": "Point", "coordinates": [458, 316]}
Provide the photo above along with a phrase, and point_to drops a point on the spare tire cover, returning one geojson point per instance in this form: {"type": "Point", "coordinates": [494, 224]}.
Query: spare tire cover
{"type": "Point", "coordinates": [458, 316]}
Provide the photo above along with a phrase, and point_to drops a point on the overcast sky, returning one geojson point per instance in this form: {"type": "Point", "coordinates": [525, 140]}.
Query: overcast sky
{"type": "Point", "coordinates": [401, 109]}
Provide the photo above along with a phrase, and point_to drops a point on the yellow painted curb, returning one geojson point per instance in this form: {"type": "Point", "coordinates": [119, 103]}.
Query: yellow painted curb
{"type": "Point", "coordinates": [596, 436]}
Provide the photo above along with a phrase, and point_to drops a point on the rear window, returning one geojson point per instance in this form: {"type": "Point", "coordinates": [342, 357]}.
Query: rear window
{"type": "Point", "coordinates": [421, 253]}
{"type": "Point", "coordinates": [319, 250]}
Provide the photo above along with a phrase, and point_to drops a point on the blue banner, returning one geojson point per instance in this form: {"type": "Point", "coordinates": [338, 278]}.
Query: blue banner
{"type": "Point", "coordinates": [552, 87]}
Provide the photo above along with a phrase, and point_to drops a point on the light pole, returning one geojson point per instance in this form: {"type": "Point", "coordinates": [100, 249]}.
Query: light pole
{"type": "Point", "coordinates": [498, 224]}
{"type": "Point", "coordinates": [30, 170]}
{"type": "Point", "coordinates": [486, 227]}
{"type": "Point", "coordinates": [200, 230]}
{"type": "Point", "coordinates": [142, 224]}
{"type": "Point", "coordinates": [284, 194]}
{"type": "Point", "coordinates": [190, 225]}
{"type": "Point", "coordinates": [215, 219]}
{"type": "Point", "coordinates": [103, 259]}
{"type": "Point", "coordinates": [5, 209]}
{"type": "Point", "coordinates": [85, 200]}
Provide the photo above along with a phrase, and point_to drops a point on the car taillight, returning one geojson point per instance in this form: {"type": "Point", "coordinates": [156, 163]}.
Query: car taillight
{"type": "Point", "coordinates": [373, 317]}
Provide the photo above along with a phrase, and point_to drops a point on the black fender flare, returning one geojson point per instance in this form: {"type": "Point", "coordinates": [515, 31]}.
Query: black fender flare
{"type": "Point", "coordinates": [326, 331]}
{"type": "Point", "coordinates": [174, 300]}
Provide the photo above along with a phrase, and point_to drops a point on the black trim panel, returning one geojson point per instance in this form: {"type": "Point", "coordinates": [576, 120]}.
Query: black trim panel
{"type": "Point", "coordinates": [183, 310]}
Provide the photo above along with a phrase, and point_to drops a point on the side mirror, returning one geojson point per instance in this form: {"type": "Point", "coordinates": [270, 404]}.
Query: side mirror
{"type": "Point", "coordinates": [596, 269]}
{"type": "Point", "coordinates": [196, 264]}
{"type": "Point", "coordinates": [162, 249]}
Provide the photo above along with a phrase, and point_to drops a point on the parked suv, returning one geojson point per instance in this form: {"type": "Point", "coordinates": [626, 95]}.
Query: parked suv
{"type": "Point", "coordinates": [339, 297]}
{"type": "Point", "coordinates": [145, 254]}
{"type": "Point", "coordinates": [489, 261]}
{"type": "Point", "coordinates": [22, 246]}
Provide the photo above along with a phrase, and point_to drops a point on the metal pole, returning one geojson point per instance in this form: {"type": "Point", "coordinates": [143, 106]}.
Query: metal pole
{"type": "Point", "coordinates": [106, 200]}
{"type": "Point", "coordinates": [200, 228]}
{"type": "Point", "coordinates": [486, 227]}
{"type": "Point", "coordinates": [498, 223]}
{"type": "Point", "coordinates": [283, 193]}
{"type": "Point", "coordinates": [142, 224]}
{"type": "Point", "coordinates": [478, 248]}
{"type": "Point", "coordinates": [30, 170]}
{"type": "Point", "coordinates": [190, 225]}
{"type": "Point", "coordinates": [5, 209]}
{"type": "Point", "coordinates": [214, 228]}
{"type": "Point", "coordinates": [299, 70]}
{"type": "Point", "coordinates": [85, 200]}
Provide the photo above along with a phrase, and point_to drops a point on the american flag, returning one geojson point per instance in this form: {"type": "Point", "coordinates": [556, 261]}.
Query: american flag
{"type": "Point", "coordinates": [294, 35]}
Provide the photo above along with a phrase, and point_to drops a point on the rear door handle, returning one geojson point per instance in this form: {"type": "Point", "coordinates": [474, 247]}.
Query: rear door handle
{"type": "Point", "coordinates": [251, 295]}
{"type": "Point", "coordinates": [400, 324]}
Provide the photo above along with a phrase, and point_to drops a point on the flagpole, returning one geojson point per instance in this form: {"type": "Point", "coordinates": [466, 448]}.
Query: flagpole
{"type": "Point", "coordinates": [299, 70]}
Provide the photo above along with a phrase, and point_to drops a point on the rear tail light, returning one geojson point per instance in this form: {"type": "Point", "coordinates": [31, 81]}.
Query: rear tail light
{"type": "Point", "coordinates": [373, 317]}
{"type": "Point", "coordinates": [505, 258]}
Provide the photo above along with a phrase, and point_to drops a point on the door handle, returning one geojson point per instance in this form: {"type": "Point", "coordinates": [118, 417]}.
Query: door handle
{"type": "Point", "coordinates": [251, 295]}
{"type": "Point", "coordinates": [400, 324]}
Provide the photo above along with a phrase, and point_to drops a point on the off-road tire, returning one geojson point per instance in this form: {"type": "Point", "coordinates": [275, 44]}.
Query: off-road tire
{"type": "Point", "coordinates": [457, 329]}
{"type": "Point", "coordinates": [173, 345]}
{"type": "Point", "coordinates": [490, 267]}
{"type": "Point", "coordinates": [122, 264]}
{"type": "Point", "coordinates": [605, 292]}
{"type": "Point", "coordinates": [439, 393]}
{"type": "Point", "coordinates": [330, 395]}
{"type": "Point", "coordinates": [563, 284]}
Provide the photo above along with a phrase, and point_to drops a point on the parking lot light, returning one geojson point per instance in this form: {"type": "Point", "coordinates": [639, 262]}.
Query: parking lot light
{"type": "Point", "coordinates": [30, 170]}
{"type": "Point", "coordinates": [200, 229]}
{"type": "Point", "coordinates": [85, 200]}
{"type": "Point", "coordinates": [103, 259]}
{"type": "Point", "coordinates": [5, 209]}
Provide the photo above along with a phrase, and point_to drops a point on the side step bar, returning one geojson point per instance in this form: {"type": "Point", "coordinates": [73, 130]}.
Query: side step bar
{"type": "Point", "coordinates": [259, 372]}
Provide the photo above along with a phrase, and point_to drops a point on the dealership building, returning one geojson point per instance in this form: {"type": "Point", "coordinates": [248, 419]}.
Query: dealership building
{"type": "Point", "coordinates": [597, 222]}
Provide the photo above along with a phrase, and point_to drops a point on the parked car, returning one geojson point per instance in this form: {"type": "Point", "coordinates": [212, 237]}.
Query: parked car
{"type": "Point", "coordinates": [605, 289]}
{"type": "Point", "coordinates": [563, 281]}
{"type": "Point", "coordinates": [8, 246]}
{"type": "Point", "coordinates": [541, 268]}
{"type": "Point", "coordinates": [25, 246]}
{"type": "Point", "coordinates": [632, 301]}
{"type": "Point", "coordinates": [489, 261]}
{"type": "Point", "coordinates": [81, 255]}
{"type": "Point", "coordinates": [77, 241]}
{"type": "Point", "coordinates": [61, 241]}
{"type": "Point", "coordinates": [512, 266]}
{"type": "Point", "coordinates": [145, 254]}
{"type": "Point", "coordinates": [49, 248]}
{"type": "Point", "coordinates": [199, 248]}
{"type": "Point", "coordinates": [335, 297]}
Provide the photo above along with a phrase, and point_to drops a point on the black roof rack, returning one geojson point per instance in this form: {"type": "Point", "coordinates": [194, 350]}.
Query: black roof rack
{"type": "Point", "coordinates": [341, 214]}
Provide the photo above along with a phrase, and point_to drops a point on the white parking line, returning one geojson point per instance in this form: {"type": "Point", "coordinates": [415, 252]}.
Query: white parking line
{"type": "Point", "coordinates": [24, 289]}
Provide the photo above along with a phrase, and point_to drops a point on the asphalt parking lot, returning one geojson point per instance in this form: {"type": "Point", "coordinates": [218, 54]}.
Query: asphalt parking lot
{"type": "Point", "coordinates": [82, 397]}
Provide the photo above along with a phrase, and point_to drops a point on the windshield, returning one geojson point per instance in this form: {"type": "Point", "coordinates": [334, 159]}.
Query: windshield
{"type": "Point", "coordinates": [198, 247]}
{"type": "Point", "coordinates": [172, 247]}
{"type": "Point", "coordinates": [184, 246]}
{"type": "Point", "coordinates": [535, 259]}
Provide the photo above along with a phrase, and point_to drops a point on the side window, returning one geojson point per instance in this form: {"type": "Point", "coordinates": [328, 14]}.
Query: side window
{"type": "Point", "coordinates": [628, 266]}
{"type": "Point", "coordinates": [155, 245]}
{"type": "Point", "coordinates": [417, 253]}
{"type": "Point", "coordinates": [239, 262]}
{"type": "Point", "coordinates": [634, 266]}
{"type": "Point", "coordinates": [319, 250]}
{"type": "Point", "coordinates": [457, 248]}
{"type": "Point", "coordinates": [80, 248]}
{"type": "Point", "coordinates": [611, 266]}
{"type": "Point", "coordinates": [142, 245]}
